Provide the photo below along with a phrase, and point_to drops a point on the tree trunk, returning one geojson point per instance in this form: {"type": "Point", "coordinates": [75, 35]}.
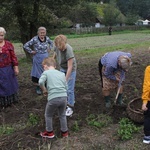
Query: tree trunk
{"type": "Point", "coordinates": [28, 29]}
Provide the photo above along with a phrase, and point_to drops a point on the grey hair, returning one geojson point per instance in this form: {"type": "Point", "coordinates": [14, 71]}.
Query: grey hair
{"type": "Point", "coordinates": [125, 62]}
{"type": "Point", "coordinates": [2, 30]}
{"type": "Point", "coordinates": [41, 28]}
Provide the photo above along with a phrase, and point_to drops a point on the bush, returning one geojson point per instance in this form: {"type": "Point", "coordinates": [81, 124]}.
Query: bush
{"type": "Point", "coordinates": [126, 129]}
{"type": "Point", "coordinates": [98, 121]}
{"type": "Point", "coordinates": [33, 119]}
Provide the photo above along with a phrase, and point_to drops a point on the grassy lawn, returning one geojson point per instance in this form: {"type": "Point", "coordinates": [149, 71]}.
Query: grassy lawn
{"type": "Point", "coordinates": [91, 45]}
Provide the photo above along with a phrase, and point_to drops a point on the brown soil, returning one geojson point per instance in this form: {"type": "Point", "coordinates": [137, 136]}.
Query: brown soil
{"type": "Point", "coordinates": [89, 100]}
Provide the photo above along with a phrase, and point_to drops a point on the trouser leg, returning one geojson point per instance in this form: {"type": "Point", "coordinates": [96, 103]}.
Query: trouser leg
{"type": "Point", "coordinates": [147, 121]}
{"type": "Point", "coordinates": [49, 111]}
{"type": "Point", "coordinates": [62, 114]}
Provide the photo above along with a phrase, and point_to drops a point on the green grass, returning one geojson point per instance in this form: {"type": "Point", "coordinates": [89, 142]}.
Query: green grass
{"type": "Point", "coordinates": [75, 127]}
{"type": "Point", "coordinates": [93, 44]}
{"type": "Point", "coordinates": [33, 119]}
{"type": "Point", "coordinates": [70, 36]}
{"type": "Point", "coordinates": [6, 129]}
{"type": "Point", "coordinates": [98, 121]}
{"type": "Point", "coordinates": [119, 41]}
{"type": "Point", "coordinates": [99, 51]}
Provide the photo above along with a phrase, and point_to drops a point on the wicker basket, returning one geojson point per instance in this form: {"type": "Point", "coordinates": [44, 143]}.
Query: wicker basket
{"type": "Point", "coordinates": [134, 110]}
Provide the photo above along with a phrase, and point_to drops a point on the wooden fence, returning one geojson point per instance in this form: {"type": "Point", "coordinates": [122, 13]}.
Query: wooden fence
{"type": "Point", "coordinates": [92, 30]}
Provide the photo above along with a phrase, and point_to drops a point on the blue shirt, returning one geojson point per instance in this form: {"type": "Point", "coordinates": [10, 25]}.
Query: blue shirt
{"type": "Point", "coordinates": [110, 62]}
{"type": "Point", "coordinates": [38, 45]}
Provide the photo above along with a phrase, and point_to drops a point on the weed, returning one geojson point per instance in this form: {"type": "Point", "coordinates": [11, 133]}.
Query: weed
{"type": "Point", "coordinates": [33, 119]}
{"type": "Point", "coordinates": [126, 129]}
{"type": "Point", "coordinates": [4, 129]}
{"type": "Point", "coordinates": [75, 127]}
{"type": "Point", "coordinates": [98, 121]}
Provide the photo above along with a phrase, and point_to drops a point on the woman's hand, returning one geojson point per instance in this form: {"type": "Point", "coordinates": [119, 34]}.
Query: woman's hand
{"type": "Point", "coordinates": [16, 70]}
{"type": "Point", "coordinates": [0, 49]}
{"type": "Point", "coordinates": [117, 79]}
{"type": "Point", "coordinates": [33, 52]}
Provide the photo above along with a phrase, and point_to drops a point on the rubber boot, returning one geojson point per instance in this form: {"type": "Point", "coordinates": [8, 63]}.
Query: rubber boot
{"type": "Point", "coordinates": [120, 102]}
{"type": "Point", "coordinates": [107, 101]}
{"type": "Point", "coordinates": [119, 99]}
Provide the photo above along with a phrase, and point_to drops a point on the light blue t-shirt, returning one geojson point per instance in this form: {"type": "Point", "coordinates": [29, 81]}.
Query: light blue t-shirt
{"type": "Point", "coordinates": [55, 83]}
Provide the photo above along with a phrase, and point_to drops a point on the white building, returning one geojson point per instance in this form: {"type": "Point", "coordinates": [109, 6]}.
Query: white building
{"type": "Point", "coordinates": [143, 22]}
{"type": "Point", "coordinates": [146, 22]}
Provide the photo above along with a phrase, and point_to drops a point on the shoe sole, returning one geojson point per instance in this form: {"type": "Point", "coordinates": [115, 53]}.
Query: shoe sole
{"type": "Point", "coordinates": [50, 137]}
{"type": "Point", "coordinates": [69, 115]}
{"type": "Point", "coordinates": [146, 142]}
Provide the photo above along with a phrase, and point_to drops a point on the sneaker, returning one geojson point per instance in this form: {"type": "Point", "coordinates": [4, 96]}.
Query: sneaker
{"type": "Point", "coordinates": [69, 111]}
{"type": "Point", "coordinates": [47, 134]}
{"type": "Point", "coordinates": [38, 90]}
{"type": "Point", "coordinates": [64, 134]}
{"type": "Point", "coordinates": [146, 140]}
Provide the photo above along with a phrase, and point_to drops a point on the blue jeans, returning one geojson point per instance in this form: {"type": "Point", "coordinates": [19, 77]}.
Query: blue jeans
{"type": "Point", "coordinates": [60, 104]}
{"type": "Point", "coordinates": [71, 85]}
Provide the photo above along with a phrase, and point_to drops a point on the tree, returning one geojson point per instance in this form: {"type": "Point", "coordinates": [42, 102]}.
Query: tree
{"type": "Point", "coordinates": [112, 15]}
{"type": "Point", "coordinates": [30, 14]}
{"type": "Point", "coordinates": [143, 8]}
{"type": "Point", "coordinates": [84, 13]}
{"type": "Point", "coordinates": [131, 19]}
{"type": "Point", "coordinates": [125, 6]}
{"type": "Point", "coordinates": [136, 7]}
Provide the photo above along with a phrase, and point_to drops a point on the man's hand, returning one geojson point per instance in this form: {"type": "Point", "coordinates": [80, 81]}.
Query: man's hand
{"type": "Point", "coordinates": [144, 108]}
{"type": "Point", "coordinates": [44, 90]}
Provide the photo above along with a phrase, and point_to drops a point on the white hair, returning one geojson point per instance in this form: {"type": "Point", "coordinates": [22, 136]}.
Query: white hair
{"type": "Point", "coordinates": [41, 28]}
{"type": "Point", "coordinates": [2, 30]}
